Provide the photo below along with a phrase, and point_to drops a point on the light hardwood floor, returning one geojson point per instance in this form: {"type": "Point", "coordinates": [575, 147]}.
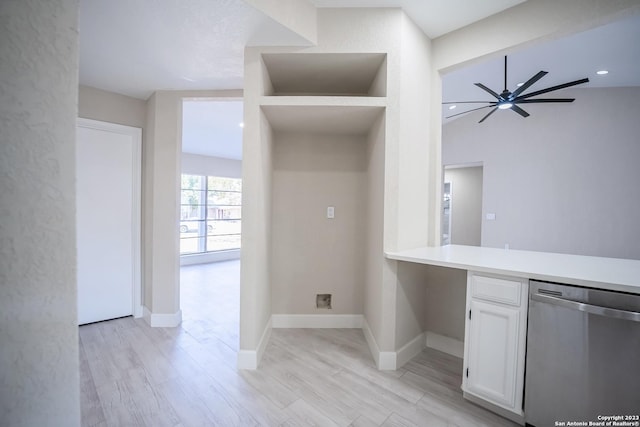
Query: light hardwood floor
{"type": "Point", "coordinates": [135, 375]}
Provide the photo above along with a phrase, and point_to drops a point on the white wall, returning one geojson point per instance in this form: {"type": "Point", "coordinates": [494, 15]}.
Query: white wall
{"type": "Point", "coordinates": [527, 23]}
{"type": "Point", "coordinates": [161, 172]}
{"type": "Point", "coordinates": [466, 205]}
{"type": "Point", "coordinates": [445, 293]}
{"type": "Point", "coordinates": [566, 181]}
{"type": "Point", "coordinates": [375, 262]}
{"type": "Point", "coordinates": [312, 254]}
{"type": "Point", "coordinates": [39, 380]}
{"type": "Point", "coordinates": [196, 164]}
{"type": "Point", "coordinates": [111, 107]}
{"type": "Point", "coordinates": [404, 178]}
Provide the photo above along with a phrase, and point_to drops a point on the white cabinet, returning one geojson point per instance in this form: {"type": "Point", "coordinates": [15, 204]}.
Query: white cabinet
{"type": "Point", "coordinates": [495, 338]}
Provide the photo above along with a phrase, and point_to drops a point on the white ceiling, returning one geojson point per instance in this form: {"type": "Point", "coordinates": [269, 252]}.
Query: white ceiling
{"type": "Point", "coordinates": [135, 47]}
{"type": "Point", "coordinates": [435, 17]}
{"type": "Point", "coordinates": [212, 128]}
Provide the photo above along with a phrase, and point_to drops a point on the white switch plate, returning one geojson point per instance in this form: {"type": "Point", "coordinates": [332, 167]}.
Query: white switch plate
{"type": "Point", "coordinates": [491, 217]}
{"type": "Point", "coordinates": [331, 212]}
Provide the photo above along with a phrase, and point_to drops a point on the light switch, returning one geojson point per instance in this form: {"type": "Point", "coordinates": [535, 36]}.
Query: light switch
{"type": "Point", "coordinates": [491, 217]}
{"type": "Point", "coordinates": [331, 212]}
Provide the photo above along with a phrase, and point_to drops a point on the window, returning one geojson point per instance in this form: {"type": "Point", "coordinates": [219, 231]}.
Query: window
{"type": "Point", "coordinates": [210, 214]}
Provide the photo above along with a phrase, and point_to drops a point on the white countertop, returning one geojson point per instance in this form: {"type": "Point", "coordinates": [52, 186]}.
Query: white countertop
{"type": "Point", "coordinates": [595, 272]}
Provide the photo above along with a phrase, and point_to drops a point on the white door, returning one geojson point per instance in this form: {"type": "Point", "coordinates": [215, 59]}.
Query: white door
{"type": "Point", "coordinates": [493, 350]}
{"type": "Point", "coordinates": [107, 220]}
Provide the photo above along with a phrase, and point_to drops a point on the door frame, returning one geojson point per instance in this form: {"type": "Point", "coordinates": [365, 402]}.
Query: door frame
{"type": "Point", "coordinates": [136, 202]}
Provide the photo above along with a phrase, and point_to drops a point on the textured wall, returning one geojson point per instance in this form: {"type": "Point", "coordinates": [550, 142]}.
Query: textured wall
{"type": "Point", "coordinates": [39, 382]}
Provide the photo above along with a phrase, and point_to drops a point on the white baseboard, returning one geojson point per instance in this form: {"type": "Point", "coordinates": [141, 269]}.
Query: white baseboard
{"type": "Point", "coordinates": [157, 320]}
{"type": "Point", "coordinates": [385, 360]}
{"type": "Point", "coordinates": [507, 413]}
{"type": "Point", "coordinates": [210, 257]}
{"type": "Point", "coordinates": [410, 350]}
{"type": "Point", "coordinates": [334, 321]}
{"type": "Point", "coordinates": [447, 345]}
{"type": "Point", "coordinates": [138, 311]}
{"type": "Point", "coordinates": [250, 359]}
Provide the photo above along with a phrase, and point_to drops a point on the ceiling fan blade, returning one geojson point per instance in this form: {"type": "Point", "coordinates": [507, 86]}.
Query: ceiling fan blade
{"type": "Point", "coordinates": [552, 88]}
{"type": "Point", "coordinates": [483, 87]}
{"type": "Point", "coordinates": [528, 84]}
{"type": "Point", "coordinates": [468, 111]}
{"type": "Point", "coordinates": [490, 113]}
{"type": "Point", "coordinates": [469, 102]}
{"type": "Point", "coordinates": [519, 111]}
{"type": "Point", "coordinates": [534, 101]}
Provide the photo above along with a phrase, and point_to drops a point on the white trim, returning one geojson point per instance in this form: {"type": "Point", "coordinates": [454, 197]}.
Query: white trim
{"type": "Point", "coordinates": [385, 360]}
{"type": "Point", "coordinates": [371, 342]}
{"type": "Point", "coordinates": [388, 361]}
{"type": "Point", "coordinates": [209, 257]}
{"type": "Point", "coordinates": [410, 350]}
{"type": "Point", "coordinates": [250, 359]}
{"type": "Point", "coordinates": [136, 202]}
{"type": "Point", "coordinates": [516, 417]}
{"type": "Point", "coordinates": [157, 320]}
{"type": "Point", "coordinates": [315, 321]}
{"type": "Point", "coordinates": [447, 345]}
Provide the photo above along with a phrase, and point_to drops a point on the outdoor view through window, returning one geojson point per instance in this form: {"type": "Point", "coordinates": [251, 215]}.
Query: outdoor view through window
{"type": "Point", "coordinates": [210, 214]}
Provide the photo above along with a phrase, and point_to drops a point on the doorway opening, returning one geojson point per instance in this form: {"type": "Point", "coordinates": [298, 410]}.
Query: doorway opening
{"type": "Point", "coordinates": [210, 219]}
{"type": "Point", "coordinates": [462, 205]}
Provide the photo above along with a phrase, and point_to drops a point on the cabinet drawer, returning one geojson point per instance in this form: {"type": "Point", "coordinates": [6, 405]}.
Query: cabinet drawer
{"type": "Point", "coordinates": [496, 289]}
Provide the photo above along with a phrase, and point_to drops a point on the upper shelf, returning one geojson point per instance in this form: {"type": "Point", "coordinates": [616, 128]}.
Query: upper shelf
{"type": "Point", "coordinates": [325, 74]}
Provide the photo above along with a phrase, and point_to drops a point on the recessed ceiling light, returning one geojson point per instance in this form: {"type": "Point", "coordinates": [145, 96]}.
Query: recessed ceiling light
{"type": "Point", "coordinates": [602, 72]}
{"type": "Point", "coordinates": [520, 84]}
{"type": "Point", "coordinates": [241, 124]}
{"type": "Point", "coordinates": [451, 107]}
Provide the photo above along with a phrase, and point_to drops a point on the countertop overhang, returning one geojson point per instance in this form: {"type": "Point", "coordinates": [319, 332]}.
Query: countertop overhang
{"type": "Point", "coordinates": [594, 272]}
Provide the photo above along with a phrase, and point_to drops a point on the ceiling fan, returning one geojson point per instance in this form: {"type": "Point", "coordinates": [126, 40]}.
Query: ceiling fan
{"type": "Point", "coordinates": [508, 100]}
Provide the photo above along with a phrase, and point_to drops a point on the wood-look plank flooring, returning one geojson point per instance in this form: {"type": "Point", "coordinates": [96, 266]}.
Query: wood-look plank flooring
{"type": "Point", "coordinates": [135, 375]}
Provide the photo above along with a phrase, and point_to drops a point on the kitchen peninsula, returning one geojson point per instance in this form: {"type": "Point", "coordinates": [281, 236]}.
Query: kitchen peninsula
{"type": "Point", "coordinates": [498, 321]}
{"type": "Point", "coordinates": [613, 274]}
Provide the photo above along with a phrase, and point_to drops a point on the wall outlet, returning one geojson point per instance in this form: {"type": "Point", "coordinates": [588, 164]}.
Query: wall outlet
{"type": "Point", "coordinates": [331, 212]}
{"type": "Point", "coordinates": [323, 301]}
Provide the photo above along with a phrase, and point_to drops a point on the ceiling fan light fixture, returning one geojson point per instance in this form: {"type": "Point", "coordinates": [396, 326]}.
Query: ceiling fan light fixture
{"type": "Point", "coordinates": [508, 100]}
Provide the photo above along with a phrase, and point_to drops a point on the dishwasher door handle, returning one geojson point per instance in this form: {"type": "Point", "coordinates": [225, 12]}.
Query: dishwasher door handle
{"type": "Point", "coordinates": [588, 308]}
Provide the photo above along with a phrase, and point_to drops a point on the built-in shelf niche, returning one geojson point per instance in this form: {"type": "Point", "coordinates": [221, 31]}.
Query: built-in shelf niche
{"type": "Point", "coordinates": [325, 74]}
{"type": "Point", "coordinates": [322, 119]}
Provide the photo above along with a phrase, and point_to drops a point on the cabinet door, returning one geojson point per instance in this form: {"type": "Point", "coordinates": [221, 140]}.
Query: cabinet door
{"type": "Point", "coordinates": [492, 354]}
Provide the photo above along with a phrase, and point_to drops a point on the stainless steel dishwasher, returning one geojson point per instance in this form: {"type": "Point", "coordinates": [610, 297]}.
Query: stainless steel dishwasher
{"type": "Point", "coordinates": [583, 355]}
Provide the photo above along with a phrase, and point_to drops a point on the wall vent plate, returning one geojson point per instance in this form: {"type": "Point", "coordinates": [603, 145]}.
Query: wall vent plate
{"type": "Point", "coordinates": [323, 301]}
